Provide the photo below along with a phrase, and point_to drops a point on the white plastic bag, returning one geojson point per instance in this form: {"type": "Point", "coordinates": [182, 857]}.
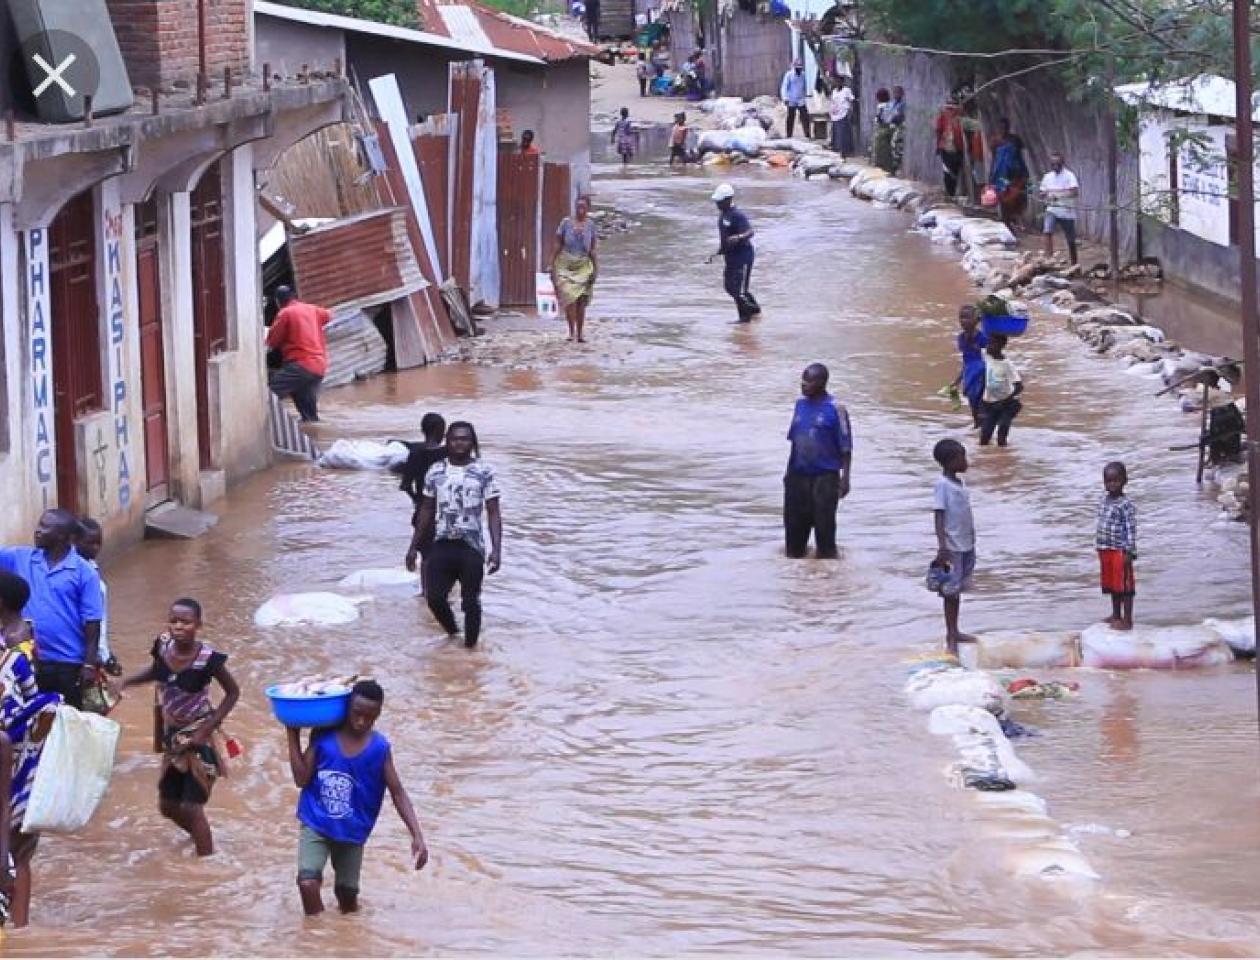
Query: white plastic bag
{"type": "Point", "coordinates": [545, 297]}
{"type": "Point", "coordinates": [377, 580]}
{"type": "Point", "coordinates": [364, 455]}
{"type": "Point", "coordinates": [73, 772]}
{"type": "Point", "coordinates": [1153, 648]}
{"type": "Point", "coordinates": [322, 609]}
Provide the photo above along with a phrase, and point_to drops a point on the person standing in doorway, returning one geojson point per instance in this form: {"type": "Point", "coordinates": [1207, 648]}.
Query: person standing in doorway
{"type": "Point", "coordinates": [298, 334]}
{"type": "Point", "coordinates": [575, 267]}
{"type": "Point", "coordinates": [817, 477]}
{"type": "Point", "coordinates": [66, 606]}
{"type": "Point", "coordinates": [841, 109]}
{"type": "Point", "coordinates": [793, 93]}
{"type": "Point", "coordinates": [528, 146]}
{"type": "Point", "coordinates": [457, 492]}
{"type": "Point", "coordinates": [1060, 189]}
{"type": "Point", "coordinates": [735, 245]}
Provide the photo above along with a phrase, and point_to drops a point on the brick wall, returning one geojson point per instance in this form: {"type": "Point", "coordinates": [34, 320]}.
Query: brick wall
{"type": "Point", "coordinates": [159, 38]}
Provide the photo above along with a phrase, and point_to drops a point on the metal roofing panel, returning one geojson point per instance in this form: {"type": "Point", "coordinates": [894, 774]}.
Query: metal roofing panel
{"type": "Point", "coordinates": [464, 26]}
{"type": "Point", "coordinates": [335, 21]}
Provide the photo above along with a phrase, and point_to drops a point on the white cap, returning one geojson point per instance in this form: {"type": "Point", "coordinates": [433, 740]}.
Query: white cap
{"type": "Point", "coordinates": [723, 192]}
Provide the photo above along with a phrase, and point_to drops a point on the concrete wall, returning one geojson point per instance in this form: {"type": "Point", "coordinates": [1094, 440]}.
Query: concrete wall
{"type": "Point", "coordinates": [755, 53]}
{"type": "Point", "coordinates": [1040, 112]}
{"type": "Point", "coordinates": [422, 72]}
{"type": "Point", "coordinates": [287, 45]}
{"type": "Point", "coordinates": [1191, 260]}
{"type": "Point", "coordinates": [556, 104]}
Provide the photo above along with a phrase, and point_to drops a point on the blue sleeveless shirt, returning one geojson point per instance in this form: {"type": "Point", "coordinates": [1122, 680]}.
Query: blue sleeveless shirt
{"type": "Point", "coordinates": [344, 797]}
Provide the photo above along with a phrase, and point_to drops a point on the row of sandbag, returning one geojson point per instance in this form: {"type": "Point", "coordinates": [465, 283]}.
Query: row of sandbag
{"type": "Point", "coordinates": [1213, 643]}
{"type": "Point", "coordinates": [970, 708]}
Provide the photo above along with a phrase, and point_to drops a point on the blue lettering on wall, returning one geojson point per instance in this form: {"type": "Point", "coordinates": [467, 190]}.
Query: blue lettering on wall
{"type": "Point", "coordinates": [41, 375]}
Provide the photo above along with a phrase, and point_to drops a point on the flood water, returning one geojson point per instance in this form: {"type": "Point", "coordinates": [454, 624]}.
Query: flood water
{"type": "Point", "coordinates": [674, 740]}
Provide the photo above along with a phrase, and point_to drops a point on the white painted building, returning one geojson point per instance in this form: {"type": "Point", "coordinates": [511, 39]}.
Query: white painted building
{"type": "Point", "coordinates": [1186, 136]}
{"type": "Point", "coordinates": [131, 361]}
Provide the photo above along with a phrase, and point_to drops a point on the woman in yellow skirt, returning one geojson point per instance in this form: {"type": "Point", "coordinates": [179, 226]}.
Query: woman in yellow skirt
{"type": "Point", "coordinates": [574, 267]}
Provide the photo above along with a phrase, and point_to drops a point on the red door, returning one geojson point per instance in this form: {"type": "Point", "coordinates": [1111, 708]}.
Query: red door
{"type": "Point", "coordinates": [209, 296]}
{"type": "Point", "coordinates": [557, 203]}
{"type": "Point", "coordinates": [519, 190]}
{"type": "Point", "coordinates": [152, 357]}
{"type": "Point", "coordinates": [76, 335]}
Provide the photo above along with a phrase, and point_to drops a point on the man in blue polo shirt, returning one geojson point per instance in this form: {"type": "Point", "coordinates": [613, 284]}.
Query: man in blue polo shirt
{"type": "Point", "coordinates": [817, 477]}
{"type": "Point", "coordinates": [66, 605]}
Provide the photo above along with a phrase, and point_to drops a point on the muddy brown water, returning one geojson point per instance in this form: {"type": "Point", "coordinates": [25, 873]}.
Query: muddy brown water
{"type": "Point", "coordinates": [674, 740]}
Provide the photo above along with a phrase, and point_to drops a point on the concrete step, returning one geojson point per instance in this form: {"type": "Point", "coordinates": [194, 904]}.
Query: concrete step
{"type": "Point", "coordinates": [171, 521]}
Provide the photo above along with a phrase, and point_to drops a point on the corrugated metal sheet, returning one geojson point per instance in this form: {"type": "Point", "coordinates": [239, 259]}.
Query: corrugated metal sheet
{"type": "Point", "coordinates": [464, 26]}
{"type": "Point", "coordinates": [520, 199]}
{"type": "Point", "coordinates": [465, 93]}
{"type": "Point", "coordinates": [359, 261]}
{"type": "Point", "coordinates": [557, 203]}
{"type": "Point", "coordinates": [356, 348]}
{"type": "Point", "coordinates": [433, 155]}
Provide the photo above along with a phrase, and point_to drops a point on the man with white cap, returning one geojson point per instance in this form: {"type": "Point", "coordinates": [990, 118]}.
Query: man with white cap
{"type": "Point", "coordinates": [735, 235]}
{"type": "Point", "coordinates": [793, 94]}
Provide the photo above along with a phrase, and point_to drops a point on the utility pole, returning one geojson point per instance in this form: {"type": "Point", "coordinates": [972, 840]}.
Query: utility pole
{"type": "Point", "coordinates": [1245, 177]}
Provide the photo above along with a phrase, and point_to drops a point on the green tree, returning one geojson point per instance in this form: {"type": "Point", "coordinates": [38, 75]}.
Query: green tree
{"type": "Point", "coordinates": [400, 13]}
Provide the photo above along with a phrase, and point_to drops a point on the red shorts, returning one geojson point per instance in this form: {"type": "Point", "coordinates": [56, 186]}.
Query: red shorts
{"type": "Point", "coordinates": [1117, 573]}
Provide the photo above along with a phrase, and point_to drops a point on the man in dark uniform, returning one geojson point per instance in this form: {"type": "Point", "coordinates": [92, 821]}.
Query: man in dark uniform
{"type": "Point", "coordinates": [735, 234]}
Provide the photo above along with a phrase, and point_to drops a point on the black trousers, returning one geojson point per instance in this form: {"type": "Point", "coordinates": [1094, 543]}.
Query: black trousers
{"type": "Point", "coordinates": [643, 86]}
{"type": "Point", "coordinates": [53, 676]}
{"type": "Point", "coordinates": [294, 380]}
{"type": "Point", "coordinates": [449, 562]}
{"type": "Point", "coordinates": [735, 279]}
{"type": "Point", "coordinates": [998, 417]}
{"type": "Point", "coordinates": [791, 120]}
{"type": "Point", "coordinates": [809, 504]}
{"type": "Point", "coordinates": [951, 167]}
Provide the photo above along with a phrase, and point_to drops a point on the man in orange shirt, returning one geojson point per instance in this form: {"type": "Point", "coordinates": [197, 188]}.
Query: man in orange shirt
{"type": "Point", "coordinates": [298, 333]}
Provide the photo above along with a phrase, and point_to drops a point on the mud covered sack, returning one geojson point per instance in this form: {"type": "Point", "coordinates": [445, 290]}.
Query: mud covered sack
{"type": "Point", "coordinates": [73, 772]}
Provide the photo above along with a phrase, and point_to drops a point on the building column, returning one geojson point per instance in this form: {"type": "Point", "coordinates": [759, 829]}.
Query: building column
{"type": "Point", "coordinates": [175, 246]}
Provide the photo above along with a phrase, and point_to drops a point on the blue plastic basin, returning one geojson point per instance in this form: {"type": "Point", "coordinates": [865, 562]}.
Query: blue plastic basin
{"type": "Point", "coordinates": [1006, 326]}
{"type": "Point", "coordinates": [310, 710]}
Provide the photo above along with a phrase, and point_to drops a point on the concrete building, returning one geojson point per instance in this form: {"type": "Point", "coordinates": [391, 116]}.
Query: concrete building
{"type": "Point", "coordinates": [131, 363]}
{"type": "Point", "coordinates": [1185, 143]}
{"type": "Point", "coordinates": [542, 77]}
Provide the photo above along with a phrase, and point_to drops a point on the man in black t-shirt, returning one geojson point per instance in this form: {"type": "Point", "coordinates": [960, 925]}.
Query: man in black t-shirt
{"type": "Point", "coordinates": [735, 235]}
{"type": "Point", "coordinates": [423, 455]}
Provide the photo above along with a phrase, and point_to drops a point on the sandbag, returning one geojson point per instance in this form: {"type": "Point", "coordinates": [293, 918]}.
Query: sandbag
{"type": "Point", "coordinates": [983, 749]}
{"type": "Point", "coordinates": [1239, 635]}
{"type": "Point", "coordinates": [364, 455]}
{"type": "Point", "coordinates": [382, 580]}
{"type": "Point", "coordinates": [1029, 650]}
{"type": "Point", "coordinates": [73, 773]}
{"type": "Point", "coordinates": [324, 609]}
{"type": "Point", "coordinates": [929, 689]}
{"type": "Point", "coordinates": [1153, 648]}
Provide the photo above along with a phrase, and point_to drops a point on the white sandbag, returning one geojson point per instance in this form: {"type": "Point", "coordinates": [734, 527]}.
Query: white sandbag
{"type": "Point", "coordinates": [1028, 650]}
{"type": "Point", "coordinates": [324, 609]}
{"type": "Point", "coordinates": [748, 140]}
{"type": "Point", "coordinates": [986, 233]}
{"type": "Point", "coordinates": [1239, 635]}
{"type": "Point", "coordinates": [815, 163]}
{"type": "Point", "coordinates": [1053, 860]}
{"type": "Point", "coordinates": [982, 746]}
{"type": "Point", "coordinates": [364, 455]}
{"type": "Point", "coordinates": [73, 772]}
{"type": "Point", "coordinates": [1153, 648]}
{"type": "Point", "coordinates": [793, 145]}
{"type": "Point", "coordinates": [930, 689]}
{"type": "Point", "coordinates": [382, 580]}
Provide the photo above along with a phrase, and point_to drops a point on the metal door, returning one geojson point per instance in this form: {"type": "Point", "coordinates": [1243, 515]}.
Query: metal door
{"type": "Point", "coordinates": [152, 356]}
{"type": "Point", "coordinates": [209, 296]}
{"type": "Point", "coordinates": [518, 201]}
{"type": "Point", "coordinates": [76, 334]}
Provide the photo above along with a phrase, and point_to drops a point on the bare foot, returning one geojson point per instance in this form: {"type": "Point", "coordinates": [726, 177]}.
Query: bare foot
{"type": "Point", "coordinates": [1124, 625]}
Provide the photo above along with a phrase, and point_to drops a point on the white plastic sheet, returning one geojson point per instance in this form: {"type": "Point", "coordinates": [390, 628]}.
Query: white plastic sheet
{"type": "Point", "coordinates": [364, 455]}
{"type": "Point", "coordinates": [322, 609]}
{"type": "Point", "coordinates": [382, 580]}
{"type": "Point", "coordinates": [73, 773]}
{"type": "Point", "coordinates": [1153, 648]}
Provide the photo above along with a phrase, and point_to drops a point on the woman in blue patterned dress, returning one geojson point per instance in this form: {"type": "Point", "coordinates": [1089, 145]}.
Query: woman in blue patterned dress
{"type": "Point", "coordinates": [26, 716]}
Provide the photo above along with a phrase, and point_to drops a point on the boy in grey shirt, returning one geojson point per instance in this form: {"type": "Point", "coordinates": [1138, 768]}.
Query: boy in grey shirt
{"type": "Point", "coordinates": [955, 535]}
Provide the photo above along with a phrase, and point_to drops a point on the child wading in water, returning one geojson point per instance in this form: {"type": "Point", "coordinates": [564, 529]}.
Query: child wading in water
{"type": "Point", "coordinates": [971, 344]}
{"type": "Point", "coordinates": [1116, 540]}
{"type": "Point", "coordinates": [623, 136]}
{"type": "Point", "coordinates": [344, 774]}
{"type": "Point", "coordinates": [678, 140]}
{"type": "Point", "coordinates": [195, 755]}
{"type": "Point", "coordinates": [1002, 387]}
{"type": "Point", "coordinates": [955, 535]}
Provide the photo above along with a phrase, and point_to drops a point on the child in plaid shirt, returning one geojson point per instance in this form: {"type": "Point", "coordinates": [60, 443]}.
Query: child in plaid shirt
{"type": "Point", "coordinates": [1116, 540]}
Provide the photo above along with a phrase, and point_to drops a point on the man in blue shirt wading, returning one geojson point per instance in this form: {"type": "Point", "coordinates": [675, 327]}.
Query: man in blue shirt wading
{"type": "Point", "coordinates": [817, 477]}
{"type": "Point", "coordinates": [66, 605]}
{"type": "Point", "coordinates": [735, 235]}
